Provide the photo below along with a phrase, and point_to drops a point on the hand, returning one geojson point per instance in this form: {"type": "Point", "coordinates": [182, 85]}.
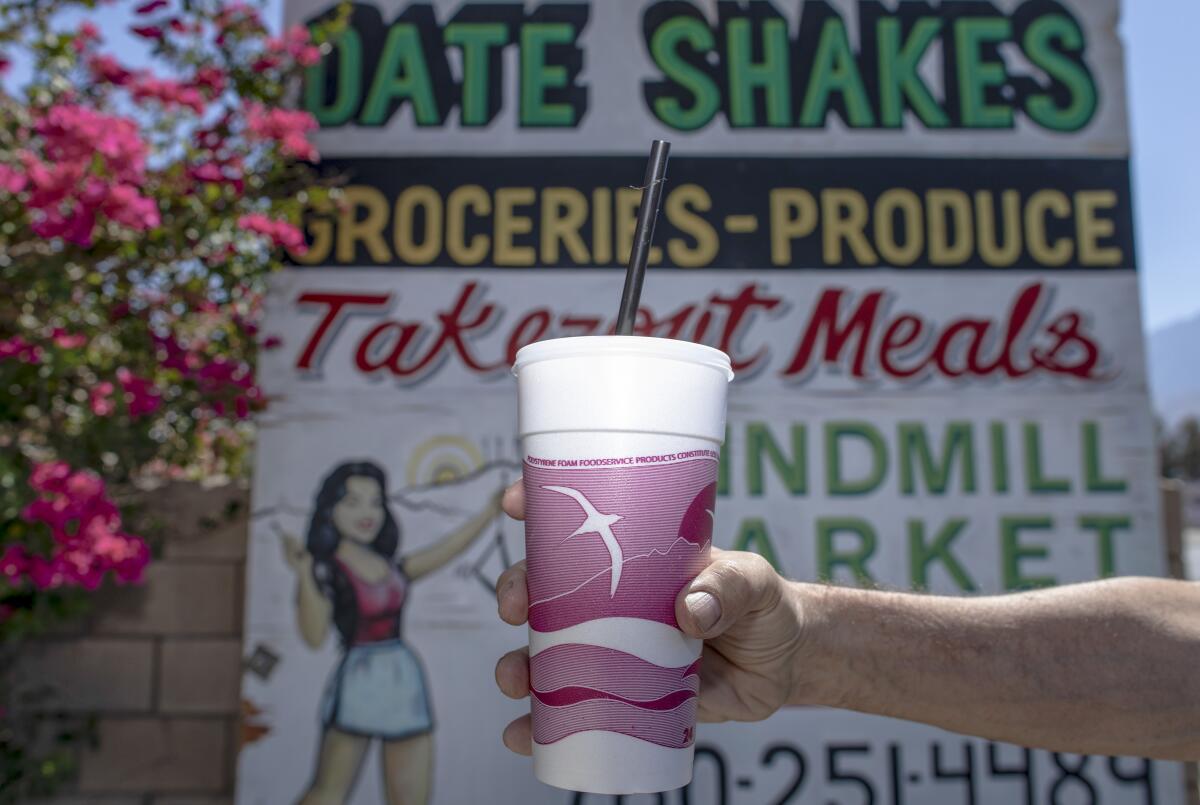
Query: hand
{"type": "Point", "coordinates": [750, 618]}
{"type": "Point", "coordinates": [296, 556]}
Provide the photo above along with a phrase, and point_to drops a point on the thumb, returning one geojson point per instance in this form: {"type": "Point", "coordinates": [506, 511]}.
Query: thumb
{"type": "Point", "coordinates": [735, 585]}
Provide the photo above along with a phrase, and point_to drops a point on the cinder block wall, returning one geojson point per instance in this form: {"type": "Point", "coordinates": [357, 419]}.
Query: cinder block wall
{"type": "Point", "coordinates": [159, 665]}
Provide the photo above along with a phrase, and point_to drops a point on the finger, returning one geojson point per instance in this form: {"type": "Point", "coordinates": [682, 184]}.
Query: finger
{"type": "Point", "coordinates": [512, 596]}
{"type": "Point", "coordinates": [514, 500]}
{"type": "Point", "coordinates": [733, 586]}
{"type": "Point", "coordinates": [518, 736]}
{"type": "Point", "coordinates": [716, 691]}
{"type": "Point", "coordinates": [512, 673]}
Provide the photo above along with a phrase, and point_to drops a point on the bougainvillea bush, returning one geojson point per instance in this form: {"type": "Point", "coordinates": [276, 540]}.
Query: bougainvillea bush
{"type": "Point", "coordinates": [141, 207]}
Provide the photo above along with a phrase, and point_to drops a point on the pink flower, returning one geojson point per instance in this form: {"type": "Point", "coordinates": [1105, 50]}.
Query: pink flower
{"type": "Point", "coordinates": [14, 562]}
{"type": "Point", "coordinates": [308, 56]}
{"type": "Point", "coordinates": [208, 172]}
{"type": "Point", "coordinates": [64, 340]}
{"type": "Point", "coordinates": [127, 207]}
{"type": "Point", "coordinates": [88, 542]}
{"type": "Point", "coordinates": [107, 70]}
{"type": "Point", "coordinates": [279, 231]}
{"type": "Point", "coordinates": [17, 347]}
{"type": "Point", "coordinates": [94, 164]}
{"type": "Point", "coordinates": [86, 34]}
{"type": "Point", "coordinates": [5, 64]}
{"type": "Point", "coordinates": [74, 133]}
{"type": "Point", "coordinates": [49, 476]}
{"type": "Point", "coordinates": [167, 92]}
{"type": "Point", "coordinates": [213, 137]}
{"type": "Point", "coordinates": [147, 31]}
{"type": "Point", "coordinates": [152, 6]}
{"type": "Point", "coordinates": [100, 398]}
{"type": "Point", "coordinates": [237, 16]}
{"type": "Point", "coordinates": [50, 183]}
{"type": "Point", "coordinates": [140, 394]}
{"type": "Point", "coordinates": [229, 171]}
{"type": "Point", "coordinates": [83, 485]}
{"type": "Point", "coordinates": [264, 63]}
{"type": "Point", "coordinates": [296, 44]}
{"type": "Point", "coordinates": [220, 380]}
{"type": "Point", "coordinates": [272, 342]}
{"type": "Point", "coordinates": [285, 127]}
{"type": "Point", "coordinates": [210, 79]}
{"type": "Point", "coordinates": [12, 180]}
{"type": "Point", "coordinates": [74, 227]}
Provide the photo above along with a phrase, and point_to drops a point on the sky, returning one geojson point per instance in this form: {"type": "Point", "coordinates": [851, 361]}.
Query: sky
{"type": "Point", "coordinates": [1160, 47]}
{"type": "Point", "coordinates": [1159, 37]}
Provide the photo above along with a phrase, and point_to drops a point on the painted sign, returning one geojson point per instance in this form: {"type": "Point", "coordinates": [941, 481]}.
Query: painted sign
{"type": "Point", "coordinates": [910, 226]}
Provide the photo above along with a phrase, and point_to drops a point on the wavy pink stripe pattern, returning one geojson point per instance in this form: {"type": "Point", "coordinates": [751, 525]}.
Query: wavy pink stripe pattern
{"type": "Point", "coordinates": [608, 670]}
{"type": "Point", "coordinates": [565, 697]}
{"type": "Point", "coordinates": [664, 533]}
{"type": "Point", "coordinates": [577, 688]}
{"type": "Point", "coordinates": [674, 729]}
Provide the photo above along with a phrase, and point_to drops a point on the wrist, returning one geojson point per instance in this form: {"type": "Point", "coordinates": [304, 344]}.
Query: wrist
{"type": "Point", "coordinates": [819, 675]}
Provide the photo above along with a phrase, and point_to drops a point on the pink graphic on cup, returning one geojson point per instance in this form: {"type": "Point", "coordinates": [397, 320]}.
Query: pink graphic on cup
{"type": "Point", "coordinates": [615, 541]}
{"type": "Point", "coordinates": [576, 688]}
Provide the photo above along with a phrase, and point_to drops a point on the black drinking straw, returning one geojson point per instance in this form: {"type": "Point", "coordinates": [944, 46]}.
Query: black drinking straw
{"type": "Point", "coordinates": [652, 192]}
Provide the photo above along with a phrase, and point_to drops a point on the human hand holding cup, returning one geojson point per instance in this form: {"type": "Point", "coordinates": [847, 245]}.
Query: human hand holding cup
{"type": "Point", "coordinates": [621, 438]}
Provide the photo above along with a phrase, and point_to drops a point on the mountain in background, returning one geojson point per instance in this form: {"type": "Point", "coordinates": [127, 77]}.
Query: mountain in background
{"type": "Point", "coordinates": [1173, 363]}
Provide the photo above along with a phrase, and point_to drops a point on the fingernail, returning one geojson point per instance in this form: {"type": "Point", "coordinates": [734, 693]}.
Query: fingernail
{"type": "Point", "coordinates": [705, 609]}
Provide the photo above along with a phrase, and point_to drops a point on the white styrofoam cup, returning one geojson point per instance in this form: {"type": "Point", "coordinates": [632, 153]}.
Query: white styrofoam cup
{"type": "Point", "coordinates": [621, 438]}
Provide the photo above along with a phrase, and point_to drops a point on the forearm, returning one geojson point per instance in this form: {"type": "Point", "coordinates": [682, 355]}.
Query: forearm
{"type": "Point", "coordinates": [1105, 668]}
{"type": "Point", "coordinates": [430, 559]}
{"type": "Point", "coordinates": [313, 611]}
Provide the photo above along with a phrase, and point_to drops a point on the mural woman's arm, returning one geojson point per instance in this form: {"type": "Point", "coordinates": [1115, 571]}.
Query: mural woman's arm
{"type": "Point", "coordinates": [314, 611]}
{"type": "Point", "coordinates": [427, 560]}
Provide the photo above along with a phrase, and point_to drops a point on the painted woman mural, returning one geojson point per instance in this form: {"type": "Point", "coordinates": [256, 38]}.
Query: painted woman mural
{"type": "Point", "coordinates": [352, 575]}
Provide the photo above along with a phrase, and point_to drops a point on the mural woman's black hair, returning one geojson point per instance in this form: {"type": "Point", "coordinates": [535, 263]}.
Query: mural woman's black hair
{"type": "Point", "coordinates": [323, 540]}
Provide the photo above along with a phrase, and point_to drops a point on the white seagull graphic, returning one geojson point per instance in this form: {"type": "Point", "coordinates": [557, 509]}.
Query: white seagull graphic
{"type": "Point", "coordinates": [596, 523]}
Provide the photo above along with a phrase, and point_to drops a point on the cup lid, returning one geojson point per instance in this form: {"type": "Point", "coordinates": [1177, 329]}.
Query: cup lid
{"type": "Point", "coordinates": [590, 346]}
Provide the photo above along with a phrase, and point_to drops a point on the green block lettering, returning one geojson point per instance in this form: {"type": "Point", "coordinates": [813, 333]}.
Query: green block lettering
{"type": "Point", "coordinates": [914, 446]}
{"type": "Point", "coordinates": [402, 75]}
{"type": "Point", "coordinates": [792, 472]}
{"type": "Point", "coordinates": [835, 70]}
{"type": "Point", "coordinates": [664, 49]}
{"type": "Point", "coordinates": [1013, 552]}
{"type": "Point", "coordinates": [1105, 525]}
{"type": "Point", "coordinates": [999, 458]}
{"type": "Point", "coordinates": [830, 556]}
{"type": "Point", "coordinates": [745, 75]}
{"type": "Point", "coordinates": [1094, 479]}
{"type": "Point", "coordinates": [834, 482]}
{"type": "Point", "coordinates": [1067, 68]}
{"type": "Point", "coordinates": [476, 39]}
{"type": "Point", "coordinates": [347, 48]}
{"type": "Point", "coordinates": [898, 76]}
{"type": "Point", "coordinates": [537, 76]}
{"type": "Point", "coordinates": [975, 75]}
{"type": "Point", "coordinates": [1039, 482]}
{"type": "Point", "coordinates": [921, 554]}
